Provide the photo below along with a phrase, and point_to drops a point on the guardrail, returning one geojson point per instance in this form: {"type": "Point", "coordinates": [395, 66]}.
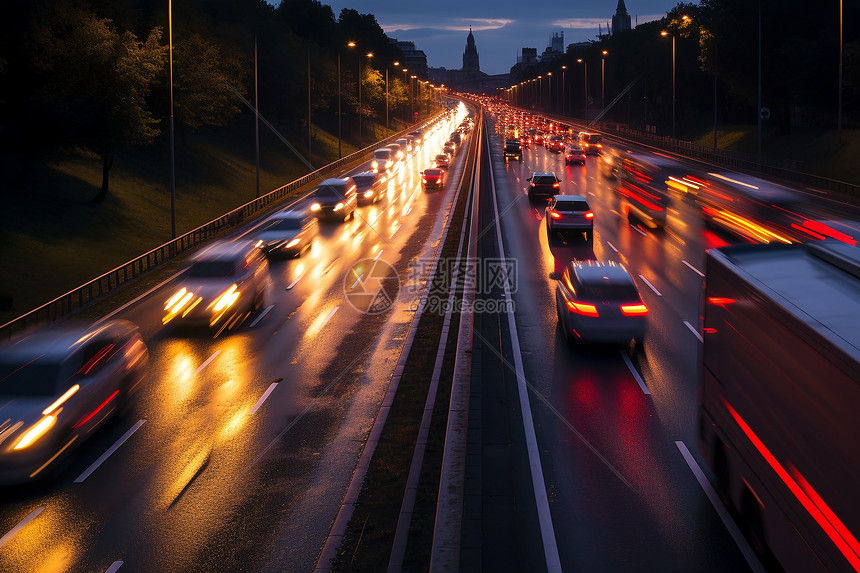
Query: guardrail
{"type": "Point", "coordinates": [786, 170]}
{"type": "Point", "coordinates": [100, 286]}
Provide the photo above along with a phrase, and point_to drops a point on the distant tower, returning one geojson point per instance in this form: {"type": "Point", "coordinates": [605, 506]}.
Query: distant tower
{"type": "Point", "coordinates": [470, 56]}
{"type": "Point", "coordinates": [621, 19]}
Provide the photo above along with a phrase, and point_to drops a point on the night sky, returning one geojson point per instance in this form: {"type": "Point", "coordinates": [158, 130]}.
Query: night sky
{"type": "Point", "coordinates": [501, 29]}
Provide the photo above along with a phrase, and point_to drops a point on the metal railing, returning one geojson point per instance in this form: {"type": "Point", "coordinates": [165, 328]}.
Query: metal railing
{"type": "Point", "coordinates": [100, 286]}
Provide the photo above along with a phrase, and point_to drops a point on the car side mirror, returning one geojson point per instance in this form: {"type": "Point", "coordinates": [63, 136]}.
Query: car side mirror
{"type": "Point", "coordinates": [555, 276]}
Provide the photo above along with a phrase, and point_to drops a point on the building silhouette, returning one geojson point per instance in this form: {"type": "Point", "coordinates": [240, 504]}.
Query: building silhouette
{"type": "Point", "coordinates": [470, 78]}
{"type": "Point", "coordinates": [621, 19]}
{"type": "Point", "coordinates": [470, 56]}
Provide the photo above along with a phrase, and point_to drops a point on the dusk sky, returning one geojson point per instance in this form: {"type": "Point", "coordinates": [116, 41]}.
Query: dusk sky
{"type": "Point", "coordinates": [501, 28]}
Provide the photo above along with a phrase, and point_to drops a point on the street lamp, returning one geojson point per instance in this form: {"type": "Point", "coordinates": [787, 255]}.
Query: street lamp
{"type": "Point", "coordinates": [602, 82]}
{"type": "Point", "coordinates": [664, 33]}
{"type": "Point", "coordinates": [540, 92]}
{"type": "Point", "coordinates": [585, 87]}
{"type": "Point", "coordinates": [172, 162]}
{"type": "Point", "coordinates": [563, 98]}
{"type": "Point", "coordinates": [369, 55]}
{"type": "Point", "coordinates": [411, 99]}
{"type": "Point", "coordinates": [549, 89]}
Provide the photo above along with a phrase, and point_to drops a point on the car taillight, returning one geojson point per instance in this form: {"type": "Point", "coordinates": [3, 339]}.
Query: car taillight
{"type": "Point", "coordinates": [589, 214]}
{"type": "Point", "coordinates": [583, 309]}
{"type": "Point", "coordinates": [634, 309]}
{"type": "Point", "coordinates": [555, 214]}
{"type": "Point", "coordinates": [555, 185]}
{"type": "Point", "coordinates": [598, 145]}
{"type": "Point", "coordinates": [532, 183]}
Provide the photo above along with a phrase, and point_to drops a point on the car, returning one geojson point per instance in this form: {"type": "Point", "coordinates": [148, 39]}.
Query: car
{"type": "Point", "coordinates": [383, 160]}
{"type": "Point", "coordinates": [398, 152]}
{"type": "Point", "coordinates": [405, 145]}
{"type": "Point", "coordinates": [58, 385]}
{"type": "Point", "coordinates": [433, 177]}
{"type": "Point", "coordinates": [368, 186]}
{"type": "Point", "coordinates": [287, 233]}
{"type": "Point", "coordinates": [335, 198]}
{"type": "Point", "coordinates": [455, 137]}
{"type": "Point", "coordinates": [450, 147]}
{"type": "Point", "coordinates": [223, 285]}
{"type": "Point", "coordinates": [442, 161]}
{"type": "Point", "coordinates": [543, 185]}
{"type": "Point", "coordinates": [513, 150]}
{"type": "Point", "coordinates": [591, 143]}
{"type": "Point", "coordinates": [555, 143]}
{"type": "Point", "coordinates": [574, 154]}
{"type": "Point", "coordinates": [599, 302]}
{"type": "Point", "coordinates": [567, 213]}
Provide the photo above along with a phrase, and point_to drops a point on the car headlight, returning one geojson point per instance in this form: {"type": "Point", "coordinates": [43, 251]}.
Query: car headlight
{"type": "Point", "coordinates": [228, 299]}
{"type": "Point", "coordinates": [338, 207]}
{"type": "Point", "coordinates": [292, 243]}
{"type": "Point", "coordinates": [315, 207]}
{"type": "Point", "coordinates": [368, 194]}
{"type": "Point", "coordinates": [35, 432]}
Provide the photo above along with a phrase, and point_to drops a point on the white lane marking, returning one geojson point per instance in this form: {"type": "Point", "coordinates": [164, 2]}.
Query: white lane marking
{"type": "Point", "coordinates": [632, 368]}
{"type": "Point", "coordinates": [547, 531]}
{"type": "Point", "coordinates": [694, 269]}
{"type": "Point", "coordinates": [377, 256]}
{"type": "Point", "coordinates": [736, 534]}
{"type": "Point", "coordinates": [611, 246]}
{"type": "Point", "coordinates": [292, 284]}
{"type": "Point", "coordinates": [638, 230]}
{"type": "Point", "coordinates": [207, 362]}
{"type": "Point", "coordinates": [12, 532]}
{"type": "Point", "coordinates": [694, 331]}
{"type": "Point", "coordinates": [114, 567]}
{"type": "Point", "coordinates": [647, 282]}
{"type": "Point", "coordinates": [328, 318]}
{"type": "Point", "coordinates": [262, 316]}
{"type": "Point", "coordinates": [110, 451]}
{"type": "Point", "coordinates": [262, 399]}
{"type": "Point", "coordinates": [358, 280]}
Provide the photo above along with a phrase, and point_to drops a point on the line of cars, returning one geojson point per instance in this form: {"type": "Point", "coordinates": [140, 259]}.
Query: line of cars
{"type": "Point", "coordinates": [434, 176]}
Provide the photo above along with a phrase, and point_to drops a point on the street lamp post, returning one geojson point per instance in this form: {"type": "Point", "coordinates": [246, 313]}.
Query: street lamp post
{"type": "Point", "coordinates": [172, 162]}
{"type": "Point", "coordinates": [411, 100]}
{"type": "Point", "coordinates": [256, 116]}
{"type": "Point", "coordinates": [585, 86]}
{"type": "Point", "coordinates": [602, 82]}
{"type": "Point", "coordinates": [339, 123]}
{"type": "Point", "coordinates": [664, 33]}
{"type": "Point", "coordinates": [549, 90]}
{"type": "Point", "coordinates": [563, 98]}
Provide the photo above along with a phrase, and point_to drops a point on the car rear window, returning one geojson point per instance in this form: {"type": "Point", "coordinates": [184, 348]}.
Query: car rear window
{"type": "Point", "coordinates": [212, 269]}
{"type": "Point", "coordinates": [543, 179]}
{"type": "Point", "coordinates": [29, 379]}
{"type": "Point", "coordinates": [608, 292]}
{"type": "Point", "coordinates": [571, 206]}
{"type": "Point", "coordinates": [433, 172]}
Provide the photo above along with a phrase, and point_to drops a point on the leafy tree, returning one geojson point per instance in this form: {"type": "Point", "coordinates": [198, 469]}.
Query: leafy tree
{"type": "Point", "coordinates": [97, 80]}
{"type": "Point", "coordinates": [202, 81]}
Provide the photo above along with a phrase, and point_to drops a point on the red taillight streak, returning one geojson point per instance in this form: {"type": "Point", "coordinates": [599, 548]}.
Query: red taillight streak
{"type": "Point", "coordinates": [583, 309]}
{"type": "Point", "coordinates": [719, 300]}
{"type": "Point", "coordinates": [634, 309]}
{"type": "Point", "coordinates": [85, 369]}
{"type": "Point", "coordinates": [709, 330]}
{"type": "Point", "coordinates": [96, 411]}
{"type": "Point", "coordinates": [589, 214]}
{"type": "Point", "coordinates": [693, 179]}
{"type": "Point", "coordinates": [555, 185]}
{"type": "Point", "coordinates": [639, 199]}
{"type": "Point", "coordinates": [829, 231]}
{"type": "Point", "coordinates": [555, 214]}
{"type": "Point", "coordinates": [820, 512]}
{"type": "Point", "coordinates": [809, 232]}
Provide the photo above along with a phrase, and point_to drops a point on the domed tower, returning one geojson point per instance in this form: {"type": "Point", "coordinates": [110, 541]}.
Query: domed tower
{"type": "Point", "coordinates": [470, 56]}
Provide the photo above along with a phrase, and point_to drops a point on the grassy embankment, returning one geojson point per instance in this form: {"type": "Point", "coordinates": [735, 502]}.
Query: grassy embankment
{"type": "Point", "coordinates": [53, 238]}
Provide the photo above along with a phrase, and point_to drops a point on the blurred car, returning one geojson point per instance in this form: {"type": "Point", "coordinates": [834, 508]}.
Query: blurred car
{"type": "Point", "coordinates": [335, 199]}
{"type": "Point", "coordinates": [543, 185]}
{"type": "Point", "coordinates": [383, 160]}
{"type": "Point", "coordinates": [58, 385]}
{"type": "Point", "coordinates": [223, 285]}
{"type": "Point", "coordinates": [441, 161]}
{"type": "Point", "coordinates": [433, 177]}
{"type": "Point", "coordinates": [405, 144]}
{"type": "Point", "coordinates": [643, 180]}
{"type": "Point", "coordinates": [450, 148]}
{"type": "Point", "coordinates": [398, 153]}
{"type": "Point", "coordinates": [570, 213]}
{"type": "Point", "coordinates": [455, 137]}
{"type": "Point", "coordinates": [599, 302]}
{"type": "Point", "coordinates": [513, 150]}
{"type": "Point", "coordinates": [538, 138]}
{"type": "Point", "coordinates": [574, 154]}
{"type": "Point", "coordinates": [591, 143]}
{"type": "Point", "coordinates": [555, 143]}
{"type": "Point", "coordinates": [287, 233]}
{"type": "Point", "coordinates": [611, 162]}
{"type": "Point", "coordinates": [368, 186]}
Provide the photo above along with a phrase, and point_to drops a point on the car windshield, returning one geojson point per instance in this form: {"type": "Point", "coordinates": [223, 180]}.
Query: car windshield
{"type": "Point", "coordinates": [571, 206]}
{"type": "Point", "coordinates": [441, 158]}
{"type": "Point", "coordinates": [363, 180]}
{"type": "Point", "coordinates": [594, 139]}
{"type": "Point", "coordinates": [432, 172]}
{"type": "Point", "coordinates": [212, 269]}
{"type": "Point", "coordinates": [327, 192]}
{"type": "Point", "coordinates": [29, 379]}
{"type": "Point", "coordinates": [285, 224]}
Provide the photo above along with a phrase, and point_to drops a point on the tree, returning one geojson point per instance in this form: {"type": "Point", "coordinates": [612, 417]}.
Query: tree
{"type": "Point", "coordinates": [96, 82]}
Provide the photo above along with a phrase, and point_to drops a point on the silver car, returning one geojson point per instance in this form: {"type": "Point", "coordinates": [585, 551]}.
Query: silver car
{"type": "Point", "coordinates": [224, 285]}
{"type": "Point", "coordinates": [570, 213]}
{"type": "Point", "coordinates": [58, 385]}
{"type": "Point", "coordinates": [599, 302]}
{"type": "Point", "coordinates": [287, 233]}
